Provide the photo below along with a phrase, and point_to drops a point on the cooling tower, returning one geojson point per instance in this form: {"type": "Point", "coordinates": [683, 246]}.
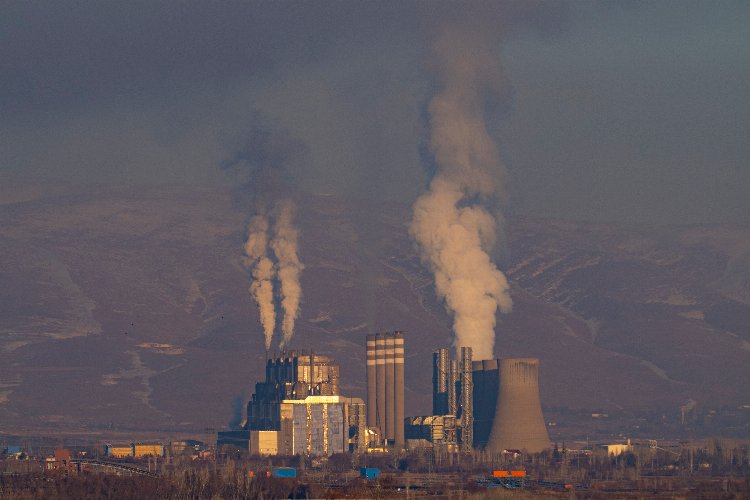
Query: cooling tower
{"type": "Point", "coordinates": [518, 422]}
{"type": "Point", "coordinates": [398, 363]}
{"type": "Point", "coordinates": [372, 394]}
{"type": "Point", "coordinates": [440, 382]}
{"type": "Point", "coordinates": [390, 393]}
{"type": "Point", "coordinates": [380, 384]}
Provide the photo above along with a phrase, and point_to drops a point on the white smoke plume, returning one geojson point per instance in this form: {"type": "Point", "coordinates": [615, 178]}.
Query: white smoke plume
{"type": "Point", "coordinates": [285, 248]}
{"type": "Point", "coordinates": [451, 224]}
{"type": "Point", "coordinates": [262, 269]}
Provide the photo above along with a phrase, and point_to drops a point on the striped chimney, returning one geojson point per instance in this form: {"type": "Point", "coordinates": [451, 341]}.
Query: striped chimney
{"type": "Point", "coordinates": [398, 363]}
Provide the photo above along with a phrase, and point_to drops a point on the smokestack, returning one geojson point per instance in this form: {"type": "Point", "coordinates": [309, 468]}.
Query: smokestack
{"type": "Point", "coordinates": [380, 384]}
{"type": "Point", "coordinates": [371, 382]}
{"type": "Point", "coordinates": [453, 377]}
{"type": "Point", "coordinates": [390, 393]}
{"type": "Point", "coordinates": [398, 362]}
{"type": "Point", "coordinates": [440, 382]}
{"type": "Point", "coordinates": [519, 423]}
{"type": "Point", "coordinates": [467, 400]}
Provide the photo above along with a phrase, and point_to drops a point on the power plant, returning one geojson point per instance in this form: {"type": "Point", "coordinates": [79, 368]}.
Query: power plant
{"type": "Point", "coordinates": [491, 405]}
{"type": "Point", "coordinates": [298, 410]}
{"type": "Point", "coordinates": [494, 403]}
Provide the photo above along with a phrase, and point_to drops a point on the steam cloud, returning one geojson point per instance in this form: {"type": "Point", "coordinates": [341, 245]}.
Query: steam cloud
{"type": "Point", "coordinates": [262, 270]}
{"type": "Point", "coordinates": [451, 223]}
{"type": "Point", "coordinates": [284, 247]}
{"type": "Point", "coordinates": [271, 248]}
{"type": "Point", "coordinates": [275, 279]}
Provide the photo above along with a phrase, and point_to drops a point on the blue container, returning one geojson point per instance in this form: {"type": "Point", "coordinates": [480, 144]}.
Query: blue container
{"type": "Point", "coordinates": [369, 472]}
{"type": "Point", "coordinates": [284, 472]}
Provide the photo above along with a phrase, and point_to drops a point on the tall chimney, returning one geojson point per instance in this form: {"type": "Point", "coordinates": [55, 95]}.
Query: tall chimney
{"type": "Point", "coordinates": [372, 395]}
{"type": "Point", "coordinates": [519, 423]}
{"type": "Point", "coordinates": [380, 384]}
{"type": "Point", "coordinates": [467, 400]}
{"type": "Point", "coordinates": [390, 389]}
{"type": "Point", "coordinates": [453, 377]}
{"type": "Point", "coordinates": [398, 363]}
{"type": "Point", "coordinates": [440, 382]}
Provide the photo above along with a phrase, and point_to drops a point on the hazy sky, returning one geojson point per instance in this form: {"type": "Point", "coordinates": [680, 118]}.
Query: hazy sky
{"type": "Point", "coordinates": [635, 111]}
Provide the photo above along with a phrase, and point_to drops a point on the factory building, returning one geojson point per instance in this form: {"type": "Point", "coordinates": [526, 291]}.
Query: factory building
{"type": "Point", "coordinates": [314, 426]}
{"type": "Point", "coordinates": [432, 431]}
{"type": "Point", "coordinates": [135, 450]}
{"type": "Point", "coordinates": [495, 402]}
{"type": "Point", "coordinates": [298, 410]}
{"type": "Point", "coordinates": [385, 387]}
{"type": "Point", "coordinates": [453, 392]}
{"type": "Point", "coordinates": [291, 377]}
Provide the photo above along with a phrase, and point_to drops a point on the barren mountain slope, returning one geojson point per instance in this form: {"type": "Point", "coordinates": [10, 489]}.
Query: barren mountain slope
{"type": "Point", "coordinates": [128, 308]}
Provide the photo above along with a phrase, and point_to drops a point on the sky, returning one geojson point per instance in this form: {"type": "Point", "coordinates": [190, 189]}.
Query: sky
{"type": "Point", "coordinates": [626, 111]}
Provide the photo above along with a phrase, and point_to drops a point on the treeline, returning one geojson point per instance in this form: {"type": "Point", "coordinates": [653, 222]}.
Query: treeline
{"type": "Point", "coordinates": [717, 468]}
{"type": "Point", "coordinates": [184, 485]}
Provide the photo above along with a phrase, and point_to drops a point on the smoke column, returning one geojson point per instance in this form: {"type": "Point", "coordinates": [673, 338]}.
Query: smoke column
{"type": "Point", "coordinates": [451, 223]}
{"type": "Point", "coordinates": [285, 248]}
{"type": "Point", "coordinates": [262, 269]}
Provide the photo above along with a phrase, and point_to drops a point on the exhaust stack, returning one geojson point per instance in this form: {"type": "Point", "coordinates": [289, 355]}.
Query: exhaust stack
{"type": "Point", "coordinates": [440, 382]}
{"type": "Point", "coordinates": [390, 389]}
{"type": "Point", "coordinates": [371, 383]}
{"type": "Point", "coordinates": [380, 384]}
{"type": "Point", "coordinates": [385, 387]}
{"type": "Point", "coordinates": [398, 363]}
{"type": "Point", "coordinates": [467, 401]}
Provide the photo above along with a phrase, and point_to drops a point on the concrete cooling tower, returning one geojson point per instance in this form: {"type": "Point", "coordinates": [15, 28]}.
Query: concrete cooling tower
{"type": "Point", "coordinates": [518, 422]}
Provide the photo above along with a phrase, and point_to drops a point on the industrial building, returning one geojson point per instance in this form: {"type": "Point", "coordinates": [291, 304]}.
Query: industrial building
{"type": "Point", "coordinates": [433, 431]}
{"type": "Point", "coordinates": [297, 409]}
{"type": "Point", "coordinates": [385, 387]}
{"type": "Point", "coordinates": [495, 403]}
{"type": "Point", "coordinates": [292, 377]}
{"type": "Point", "coordinates": [489, 405]}
{"type": "Point", "coordinates": [135, 450]}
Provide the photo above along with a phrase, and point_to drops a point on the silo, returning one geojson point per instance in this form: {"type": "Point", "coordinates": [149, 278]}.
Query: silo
{"type": "Point", "coordinates": [518, 422]}
{"type": "Point", "coordinates": [371, 382]}
{"type": "Point", "coordinates": [398, 362]}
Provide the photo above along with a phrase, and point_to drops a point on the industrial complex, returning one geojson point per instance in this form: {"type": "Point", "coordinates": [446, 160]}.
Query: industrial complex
{"type": "Point", "coordinates": [491, 405]}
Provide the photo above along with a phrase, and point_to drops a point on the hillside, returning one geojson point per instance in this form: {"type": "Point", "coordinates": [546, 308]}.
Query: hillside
{"type": "Point", "coordinates": [128, 308]}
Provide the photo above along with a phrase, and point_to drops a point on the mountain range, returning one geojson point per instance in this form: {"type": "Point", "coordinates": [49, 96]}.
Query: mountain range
{"type": "Point", "coordinates": [128, 307]}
